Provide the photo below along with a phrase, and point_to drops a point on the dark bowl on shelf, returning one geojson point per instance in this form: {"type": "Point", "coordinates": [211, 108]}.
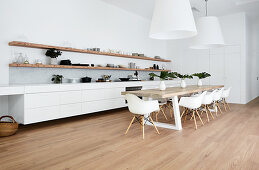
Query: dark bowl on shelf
{"type": "Point", "coordinates": [86, 79]}
{"type": "Point", "coordinates": [124, 79]}
{"type": "Point", "coordinates": [65, 62]}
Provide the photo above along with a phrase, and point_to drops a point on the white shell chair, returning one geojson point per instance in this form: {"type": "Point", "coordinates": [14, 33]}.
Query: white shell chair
{"type": "Point", "coordinates": [141, 108]}
{"type": "Point", "coordinates": [216, 98]}
{"type": "Point", "coordinates": [206, 101]}
{"type": "Point", "coordinates": [192, 104]}
{"type": "Point", "coordinates": [225, 95]}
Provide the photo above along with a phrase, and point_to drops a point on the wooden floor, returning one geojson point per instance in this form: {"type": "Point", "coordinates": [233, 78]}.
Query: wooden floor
{"type": "Point", "coordinates": [97, 141]}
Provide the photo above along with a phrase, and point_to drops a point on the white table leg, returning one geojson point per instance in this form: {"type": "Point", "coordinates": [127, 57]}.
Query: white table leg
{"type": "Point", "coordinates": [177, 117]}
{"type": "Point", "coordinates": [178, 123]}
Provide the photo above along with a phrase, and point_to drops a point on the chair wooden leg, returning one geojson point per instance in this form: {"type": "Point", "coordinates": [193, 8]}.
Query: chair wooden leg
{"type": "Point", "coordinates": [142, 120]}
{"type": "Point", "coordinates": [164, 108]}
{"type": "Point", "coordinates": [130, 125]}
{"type": "Point", "coordinates": [210, 112]}
{"type": "Point", "coordinates": [156, 115]}
{"type": "Point", "coordinates": [218, 107]}
{"type": "Point", "coordinates": [224, 104]}
{"type": "Point", "coordinates": [154, 125]}
{"type": "Point", "coordinates": [228, 105]}
{"type": "Point", "coordinates": [193, 114]}
{"type": "Point", "coordinates": [170, 110]}
{"type": "Point", "coordinates": [183, 113]}
{"type": "Point", "coordinates": [186, 113]}
{"type": "Point", "coordinates": [199, 117]}
{"type": "Point", "coordinates": [206, 113]}
{"type": "Point", "coordinates": [164, 114]}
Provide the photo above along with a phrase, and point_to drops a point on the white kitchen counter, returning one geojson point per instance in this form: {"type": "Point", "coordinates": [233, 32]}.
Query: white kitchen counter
{"type": "Point", "coordinates": [32, 103]}
{"type": "Point", "coordinates": [16, 89]}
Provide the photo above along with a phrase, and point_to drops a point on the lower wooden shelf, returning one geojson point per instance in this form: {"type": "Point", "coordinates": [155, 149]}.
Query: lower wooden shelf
{"type": "Point", "coordinates": [80, 67]}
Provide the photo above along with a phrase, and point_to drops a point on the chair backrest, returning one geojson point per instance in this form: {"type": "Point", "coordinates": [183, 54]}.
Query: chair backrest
{"type": "Point", "coordinates": [134, 103]}
{"type": "Point", "coordinates": [208, 98]}
{"type": "Point", "coordinates": [202, 95]}
{"type": "Point", "coordinates": [200, 98]}
{"type": "Point", "coordinates": [218, 94]}
{"type": "Point", "coordinates": [138, 106]}
{"type": "Point", "coordinates": [226, 92]}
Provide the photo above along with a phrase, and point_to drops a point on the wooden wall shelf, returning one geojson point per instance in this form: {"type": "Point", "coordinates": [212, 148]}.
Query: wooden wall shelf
{"type": "Point", "coordinates": [80, 67]}
{"type": "Point", "coordinates": [41, 46]}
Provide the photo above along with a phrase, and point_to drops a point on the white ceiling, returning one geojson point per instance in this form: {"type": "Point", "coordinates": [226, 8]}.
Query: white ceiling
{"type": "Point", "coordinates": [215, 7]}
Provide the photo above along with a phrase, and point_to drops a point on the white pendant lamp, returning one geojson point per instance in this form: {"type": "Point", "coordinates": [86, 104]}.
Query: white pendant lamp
{"type": "Point", "coordinates": [209, 33]}
{"type": "Point", "coordinates": [172, 19]}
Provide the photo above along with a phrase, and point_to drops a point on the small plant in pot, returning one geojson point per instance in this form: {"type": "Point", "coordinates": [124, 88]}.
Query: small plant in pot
{"type": "Point", "coordinates": [53, 54]}
{"type": "Point", "coordinates": [202, 75]}
{"type": "Point", "coordinates": [183, 77]}
{"type": "Point", "coordinates": [172, 75]}
{"type": "Point", "coordinates": [57, 79]}
{"type": "Point", "coordinates": [163, 75]}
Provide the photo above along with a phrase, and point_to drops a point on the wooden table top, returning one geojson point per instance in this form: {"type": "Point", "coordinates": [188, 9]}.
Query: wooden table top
{"type": "Point", "coordinates": [171, 91]}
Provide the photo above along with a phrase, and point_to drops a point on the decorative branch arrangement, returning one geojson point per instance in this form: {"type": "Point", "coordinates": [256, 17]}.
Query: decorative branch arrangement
{"type": "Point", "coordinates": [202, 75]}
{"type": "Point", "coordinates": [164, 75]}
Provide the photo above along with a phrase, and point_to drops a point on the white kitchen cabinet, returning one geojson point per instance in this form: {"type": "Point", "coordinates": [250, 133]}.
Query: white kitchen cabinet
{"type": "Point", "coordinates": [70, 110]}
{"type": "Point", "coordinates": [70, 97]}
{"type": "Point", "coordinates": [41, 100]}
{"type": "Point", "coordinates": [101, 105]}
{"type": "Point", "coordinates": [101, 94]}
{"type": "Point", "coordinates": [38, 103]}
{"type": "Point", "coordinates": [41, 114]}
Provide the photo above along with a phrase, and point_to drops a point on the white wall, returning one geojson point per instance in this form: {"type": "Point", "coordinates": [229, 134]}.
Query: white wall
{"type": "Point", "coordinates": [252, 72]}
{"type": "Point", "coordinates": [77, 23]}
{"type": "Point", "coordinates": [227, 65]}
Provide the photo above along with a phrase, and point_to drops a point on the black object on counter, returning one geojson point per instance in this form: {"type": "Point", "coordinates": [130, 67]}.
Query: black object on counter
{"type": "Point", "coordinates": [65, 62]}
{"type": "Point", "coordinates": [124, 79]}
{"type": "Point", "coordinates": [86, 79]}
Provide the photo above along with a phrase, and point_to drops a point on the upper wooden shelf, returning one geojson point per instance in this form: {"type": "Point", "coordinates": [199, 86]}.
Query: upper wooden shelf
{"type": "Point", "coordinates": [41, 46]}
{"type": "Point", "coordinates": [80, 67]}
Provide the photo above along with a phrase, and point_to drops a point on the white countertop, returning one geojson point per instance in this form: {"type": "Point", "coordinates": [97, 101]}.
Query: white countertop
{"type": "Point", "coordinates": [17, 89]}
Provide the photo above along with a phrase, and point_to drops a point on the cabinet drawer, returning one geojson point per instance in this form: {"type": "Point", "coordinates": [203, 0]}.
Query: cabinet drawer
{"type": "Point", "coordinates": [70, 110]}
{"type": "Point", "coordinates": [41, 100]}
{"type": "Point", "coordinates": [101, 94]}
{"type": "Point", "coordinates": [101, 105]}
{"type": "Point", "coordinates": [70, 97]}
{"type": "Point", "coordinates": [41, 114]}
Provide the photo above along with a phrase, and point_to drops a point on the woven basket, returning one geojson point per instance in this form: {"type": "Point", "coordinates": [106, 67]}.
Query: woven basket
{"type": "Point", "coordinates": [8, 128]}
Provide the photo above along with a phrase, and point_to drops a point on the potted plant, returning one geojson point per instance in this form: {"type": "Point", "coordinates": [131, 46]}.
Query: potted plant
{"type": "Point", "coordinates": [163, 75]}
{"type": "Point", "coordinates": [202, 75]}
{"type": "Point", "coordinates": [57, 79]}
{"type": "Point", "coordinates": [53, 54]}
{"type": "Point", "coordinates": [172, 75]}
{"type": "Point", "coordinates": [183, 77]}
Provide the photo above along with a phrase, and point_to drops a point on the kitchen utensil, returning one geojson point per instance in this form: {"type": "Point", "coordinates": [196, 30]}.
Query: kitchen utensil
{"type": "Point", "coordinates": [122, 66]}
{"type": "Point", "coordinates": [86, 79]}
{"type": "Point", "coordinates": [73, 80]}
{"type": "Point", "coordinates": [124, 79]}
{"type": "Point", "coordinates": [132, 65]}
{"type": "Point", "coordinates": [65, 62]}
{"type": "Point", "coordinates": [110, 65]}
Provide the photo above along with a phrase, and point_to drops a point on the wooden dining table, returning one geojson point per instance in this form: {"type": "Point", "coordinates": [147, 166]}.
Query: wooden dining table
{"type": "Point", "coordinates": [171, 93]}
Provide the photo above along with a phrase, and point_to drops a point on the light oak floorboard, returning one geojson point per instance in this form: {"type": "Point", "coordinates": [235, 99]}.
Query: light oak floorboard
{"type": "Point", "coordinates": [97, 141]}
